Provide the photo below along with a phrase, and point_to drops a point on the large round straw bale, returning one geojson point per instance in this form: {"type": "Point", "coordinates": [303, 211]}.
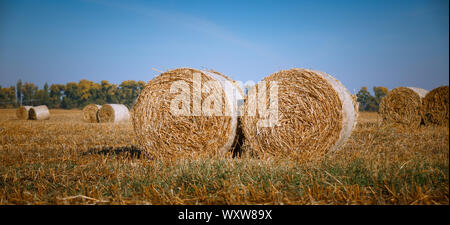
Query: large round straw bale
{"type": "Point", "coordinates": [39, 113]}
{"type": "Point", "coordinates": [435, 106]}
{"type": "Point", "coordinates": [114, 113]}
{"type": "Point", "coordinates": [172, 116]}
{"type": "Point", "coordinates": [402, 106]}
{"type": "Point", "coordinates": [316, 114]}
{"type": "Point", "coordinates": [22, 112]}
{"type": "Point", "coordinates": [90, 113]}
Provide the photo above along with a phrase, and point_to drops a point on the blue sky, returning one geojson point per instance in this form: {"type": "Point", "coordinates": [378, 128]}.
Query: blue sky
{"type": "Point", "coordinates": [361, 43]}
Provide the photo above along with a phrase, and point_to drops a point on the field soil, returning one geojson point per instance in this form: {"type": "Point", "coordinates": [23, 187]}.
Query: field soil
{"type": "Point", "coordinates": [65, 160]}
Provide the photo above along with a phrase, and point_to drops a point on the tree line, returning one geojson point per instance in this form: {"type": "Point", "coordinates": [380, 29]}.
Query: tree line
{"type": "Point", "coordinates": [77, 95]}
{"type": "Point", "coordinates": [70, 95]}
{"type": "Point", "coordinates": [367, 102]}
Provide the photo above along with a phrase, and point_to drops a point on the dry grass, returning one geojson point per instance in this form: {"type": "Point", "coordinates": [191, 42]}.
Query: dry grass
{"type": "Point", "coordinates": [67, 161]}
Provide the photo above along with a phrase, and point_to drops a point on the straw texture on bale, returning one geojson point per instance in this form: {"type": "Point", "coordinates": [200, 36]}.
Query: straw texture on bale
{"type": "Point", "coordinates": [435, 107]}
{"type": "Point", "coordinates": [22, 112]}
{"type": "Point", "coordinates": [39, 113]}
{"type": "Point", "coordinates": [355, 103]}
{"type": "Point", "coordinates": [162, 133]}
{"type": "Point", "coordinates": [113, 113]}
{"type": "Point", "coordinates": [316, 115]}
{"type": "Point", "coordinates": [402, 106]}
{"type": "Point", "coordinates": [90, 113]}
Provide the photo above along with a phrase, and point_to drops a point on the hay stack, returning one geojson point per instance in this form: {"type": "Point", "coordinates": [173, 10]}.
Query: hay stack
{"type": "Point", "coordinates": [402, 106]}
{"type": "Point", "coordinates": [39, 113]}
{"type": "Point", "coordinates": [22, 112]}
{"type": "Point", "coordinates": [190, 132]}
{"type": "Point", "coordinates": [316, 114]}
{"type": "Point", "coordinates": [90, 113]}
{"type": "Point", "coordinates": [435, 107]}
{"type": "Point", "coordinates": [114, 113]}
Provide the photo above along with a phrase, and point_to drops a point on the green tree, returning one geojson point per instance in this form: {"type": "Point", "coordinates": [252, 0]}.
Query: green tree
{"type": "Point", "coordinates": [380, 92]}
{"type": "Point", "coordinates": [89, 92]}
{"type": "Point", "coordinates": [56, 93]}
{"type": "Point", "coordinates": [71, 97]}
{"type": "Point", "coordinates": [366, 100]}
{"type": "Point", "coordinates": [44, 96]}
{"type": "Point", "coordinates": [8, 97]}
{"type": "Point", "coordinates": [129, 90]}
{"type": "Point", "coordinates": [108, 92]}
{"type": "Point", "coordinates": [29, 91]}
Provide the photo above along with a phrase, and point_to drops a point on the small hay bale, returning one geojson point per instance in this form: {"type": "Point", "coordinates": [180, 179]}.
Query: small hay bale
{"type": "Point", "coordinates": [190, 132]}
{"type": "Point", "coordinates": [114, 113]}
{"type": "Point", "coordinates": [435, 107]}
{"type": "Point", "coordinates": [39, 113]}
{"type": "Point", "coordinates": [402, 106]}
{"type": "Point", "coordinates": [90, 113]}
{"type": "Point", "coordinates": [22, 112]}
{"type": "Point", "coordinates": [316, 114]}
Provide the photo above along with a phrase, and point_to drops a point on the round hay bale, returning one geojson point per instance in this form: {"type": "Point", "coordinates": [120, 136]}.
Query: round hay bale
{"type": "Point", "coordinates": [172, 115]}
{"type": "Point", "coordinates": [402, 106]}
{"type": "Point", "coordinates": [114, 113]}
{"type": "Point", "coordinates": [90, 113]}
{"type": "Point", "coordinates": [39, 113]}
{"type": "Point", "coordinates": [435, 107]}
{"type": "Point", "coordinates": [316, 114]}
{"type": "Point", "coordinates": [22, 112]}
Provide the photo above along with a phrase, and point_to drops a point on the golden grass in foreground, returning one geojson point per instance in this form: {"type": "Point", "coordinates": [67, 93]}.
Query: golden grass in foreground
{"type": "Point", "coordinates": [67, 161]}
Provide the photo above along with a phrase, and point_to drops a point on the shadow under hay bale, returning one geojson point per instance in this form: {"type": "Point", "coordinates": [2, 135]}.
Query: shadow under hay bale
{"type": "Point", "coordinates": [131, 151]}
{"type": "Point", "coordinates": [236, 149]}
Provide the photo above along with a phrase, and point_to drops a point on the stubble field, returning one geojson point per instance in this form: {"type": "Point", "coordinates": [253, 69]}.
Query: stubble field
{"type": "Point", "coordinates": [67, 161]}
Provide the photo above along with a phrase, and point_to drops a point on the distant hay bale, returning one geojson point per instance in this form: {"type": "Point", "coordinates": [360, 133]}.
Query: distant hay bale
{"type": "Point", "coordinates": [39, 113]}
{"type": "Point", "coordinates": [402, 106]}
{"type": "Point", "coordinates": [114, 113]}
{"type": "Point", "coordinates": [22, 112]}
{"type": "Point", "coordinates": [167, 126]}
{"type": "Point", "coordinates": [316, 115]}
{"type": "Point", "coordinates": [90, 113]}
{"type": "Point", "coordinates": [435, 107]}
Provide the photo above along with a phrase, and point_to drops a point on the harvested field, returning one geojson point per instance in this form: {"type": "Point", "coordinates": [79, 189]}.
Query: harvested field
{"type": "Point", "coordinates": [64, 160]}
